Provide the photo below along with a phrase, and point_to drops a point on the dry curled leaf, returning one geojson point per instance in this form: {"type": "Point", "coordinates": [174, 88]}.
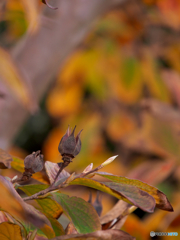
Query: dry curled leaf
{"type": "Point", "coordinates": [5, 159]}
{"type": "Point", "coordinates": [52, 170]}
{"type": "Point", "coordinates": [14, 204]}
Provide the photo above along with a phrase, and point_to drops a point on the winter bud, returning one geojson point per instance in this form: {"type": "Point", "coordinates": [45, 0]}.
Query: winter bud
{"type": "Point", "coordinates": [69, 144]}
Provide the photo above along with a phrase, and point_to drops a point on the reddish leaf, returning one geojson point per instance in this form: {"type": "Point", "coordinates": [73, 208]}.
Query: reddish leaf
{"type": "Point", "coordinates": [138, 197]}
{"type": "Point", "coordinates": [129, 194]}
{"type": "Point", "coordinates": [123, 183]}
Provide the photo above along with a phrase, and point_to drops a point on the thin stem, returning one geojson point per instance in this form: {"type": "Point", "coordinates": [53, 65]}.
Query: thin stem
{"type": "Point", "coordinates": [25, 177]}
{"type": "Point", "coordinates": [64, 164]}
{"type": "Point", "coordinates": [51, 187]}
{"type": "Point", "coordinates": [60, 170]}
{"type": "Point", "coordinates": [43, 192]}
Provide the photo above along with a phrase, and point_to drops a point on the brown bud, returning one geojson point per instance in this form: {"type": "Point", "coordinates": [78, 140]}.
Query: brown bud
{"type": "Point", "coordinates": [97, 203]}
{"type": "Point", "coordinates": [69, 144]}
{"type": "Point", "coordinates": [34, 162]}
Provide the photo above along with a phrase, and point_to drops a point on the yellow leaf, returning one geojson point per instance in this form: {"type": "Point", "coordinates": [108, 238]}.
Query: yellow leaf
{"type": "Point", "coordinates": [32, 14]}
{"type": "Point", "coordinates": [10, 231]}
{"type": "Point", "coordinates": [153, 79]}
{"type": "Point", "coordinates": [12, 78]}
{"type": "Point", "coordinates": [63, 101]}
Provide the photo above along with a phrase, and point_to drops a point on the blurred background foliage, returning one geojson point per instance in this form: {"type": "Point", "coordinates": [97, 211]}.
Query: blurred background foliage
{"type": "Point", "coordinates": [122, 87]}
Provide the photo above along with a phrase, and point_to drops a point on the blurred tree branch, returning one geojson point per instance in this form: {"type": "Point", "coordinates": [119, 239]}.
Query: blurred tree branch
{"type": "Point", "coordinates": [40, 55]}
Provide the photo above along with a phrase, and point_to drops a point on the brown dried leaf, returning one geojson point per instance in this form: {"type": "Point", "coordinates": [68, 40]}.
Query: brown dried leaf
{"type": "Point", "coordinates": [52, 170]}
{"type": "Point", "coordinates": [160, 110]}
{"type": "Point", "coordinates": [70, 229]}
{"type": "Point", "coordinates": [115, 212]}
{"type": "Point", "coordinates": [5, 159]}
{"type": "Point", "coordinates": [88, 168]}
{"type": "Point", "coordinates": [14, 204]}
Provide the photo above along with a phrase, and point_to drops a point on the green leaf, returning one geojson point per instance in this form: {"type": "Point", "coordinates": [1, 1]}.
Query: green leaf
{"type": "Point", "coordinates": [47, 205]}
{"type": "Point", "coordinates": [57, 227]}
{"type": "Point", "coordinates": [127, 193]}
{"type": "Point", "coordinates": [128, 71]}
{"type": "Point", "coordinates": [160, 198]}
{"type": "Point", "coordinates": [82, 213]}
{"type": "Point", "coordinates": [18, 164]}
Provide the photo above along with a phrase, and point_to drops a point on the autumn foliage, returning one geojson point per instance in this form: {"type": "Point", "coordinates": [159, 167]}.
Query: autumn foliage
{"type": "Point", "coordinates": [122, 87]}
{"type": "Point", "coordinates": [28, 221]}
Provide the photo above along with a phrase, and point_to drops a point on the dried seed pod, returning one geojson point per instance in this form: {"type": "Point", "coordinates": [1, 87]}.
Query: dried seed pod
{"type": "Point", "coordinates": [69, 144]}
{"type": "Point", "coordinates": [34, 162]}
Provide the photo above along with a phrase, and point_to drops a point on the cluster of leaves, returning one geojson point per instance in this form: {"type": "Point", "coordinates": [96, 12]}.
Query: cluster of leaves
{"type": "Point", "coordinates": [20, 220]}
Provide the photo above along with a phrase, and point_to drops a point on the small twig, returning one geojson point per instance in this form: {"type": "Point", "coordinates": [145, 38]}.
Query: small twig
{"type": "Point", "coordinates": [60, 170]}
{"type": "Point", "coordinates": [43, 192]}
